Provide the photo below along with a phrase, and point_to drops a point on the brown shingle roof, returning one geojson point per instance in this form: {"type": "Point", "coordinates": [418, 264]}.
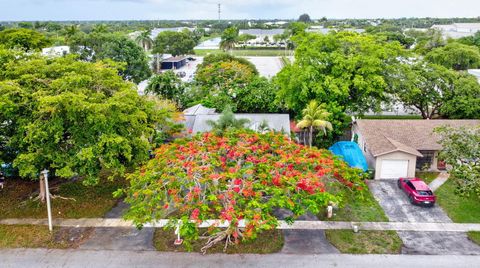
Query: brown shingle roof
{"type": "Point", "coordinates": [411, 136]}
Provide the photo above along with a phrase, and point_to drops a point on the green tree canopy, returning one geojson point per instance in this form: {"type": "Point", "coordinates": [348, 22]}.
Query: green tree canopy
{"type": "Point", "coordinates": [424, 86]}
{"type": "Point", "coordinates": [175, 43]}
{"type": "Point", "coordinates": [99, 46]}
{"type": "Point", "coordinates": [223, 80]}
{"type": "Point", "coordinates": [461, 150]}
{"type": "Point", "coordinates": [304, 18]}
{"type": "Point", "coordinates": [73, 117]}
{"type": "Point", "coordinates": [391, 33]}
{"type": "Point", "coordinates": [258, 96]}
{"type": "Point", "coordinates": [167, 85]}
{"type": "Point", "coordinates": [345, 67]}
{"type": "Point", "coordinates": [23, 39]}
{"type": "Point", "coordinates": [464, 101]}
{"type": "Point", "coordinates": [473, 40]}
{"type": "Point", "coordinates": [455, 56]}
{"type": "Point", "coordinates": [435, 90]}
{"type": "Point", "coordinates": [224, 57]}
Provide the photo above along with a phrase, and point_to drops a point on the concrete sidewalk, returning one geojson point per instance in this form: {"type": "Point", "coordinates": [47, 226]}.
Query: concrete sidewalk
{"type": "Point", "coordinates": [105, 258]}
{"type": "Point", "coordinates": [297, 225]}
{"type": "Point", "coordinates": [439, 181]}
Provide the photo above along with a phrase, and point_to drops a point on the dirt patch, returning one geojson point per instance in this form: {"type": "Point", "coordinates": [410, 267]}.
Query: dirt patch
{"type": "Point", "coordinates": [267, 242]}
{"type": "Point", "coordinates": [72, 237]}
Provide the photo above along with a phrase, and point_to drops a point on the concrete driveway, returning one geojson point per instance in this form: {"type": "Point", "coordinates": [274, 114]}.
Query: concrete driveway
{"type": "Point", "coordinates": [398, 209]}
{"type": "Point", "coordinates": [304, 241]}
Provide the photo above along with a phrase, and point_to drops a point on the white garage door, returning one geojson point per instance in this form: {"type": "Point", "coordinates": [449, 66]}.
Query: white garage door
{"type": "Point", "coordinates": [394, 169]}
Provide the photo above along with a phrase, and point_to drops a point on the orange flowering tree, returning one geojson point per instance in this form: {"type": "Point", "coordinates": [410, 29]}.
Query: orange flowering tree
{"type": "Point", "coordinates": [240, 176]}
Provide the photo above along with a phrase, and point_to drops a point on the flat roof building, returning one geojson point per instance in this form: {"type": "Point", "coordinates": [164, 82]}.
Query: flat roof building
{"type": "Point", "coordinates": [174, 63]}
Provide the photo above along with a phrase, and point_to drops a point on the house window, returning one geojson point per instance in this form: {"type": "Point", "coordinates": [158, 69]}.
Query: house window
{"type": "Point", "coordinates": [426, 161]}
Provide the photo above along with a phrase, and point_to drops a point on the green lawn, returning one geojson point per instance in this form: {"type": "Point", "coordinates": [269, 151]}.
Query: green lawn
{"type": "Point", "coordinates": [364, 242]}
{"type": "Point", "coordinates": [427, 176]}
{"type": "Point", "coordinates": [364, 208]}
{"type": "Point", "coordinates": [266, 242]}
{"type": "Point", "coordinates": [90, 202]}
{"type": "Point", "coordinates": [37, 236]}
{"type": "Point", "coordinates": [246, 52]}
{"type": "Point", "coordinates": [474, 236]}
{"type": "Point", "coordinates": [460, 209]}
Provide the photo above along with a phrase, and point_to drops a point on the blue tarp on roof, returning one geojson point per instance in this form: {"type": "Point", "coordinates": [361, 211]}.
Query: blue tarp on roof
{"type": "Point", "coordinates": [351, 153]}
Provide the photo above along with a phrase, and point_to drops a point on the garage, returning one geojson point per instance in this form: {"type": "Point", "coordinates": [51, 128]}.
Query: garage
{"type": "Point", "coordinates": [393, 168]}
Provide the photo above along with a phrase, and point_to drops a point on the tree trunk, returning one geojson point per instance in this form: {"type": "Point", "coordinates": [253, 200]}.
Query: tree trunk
{"type": "Point", "coordinates": [304, 135]}
{"type": "Point", "coordinates": [43, 193]}
{"type": "Point", "coordinates": [310, 138]}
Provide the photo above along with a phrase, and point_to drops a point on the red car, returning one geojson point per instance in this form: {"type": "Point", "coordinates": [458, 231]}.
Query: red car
{"type": "Point", "coordinates": [417, 191]}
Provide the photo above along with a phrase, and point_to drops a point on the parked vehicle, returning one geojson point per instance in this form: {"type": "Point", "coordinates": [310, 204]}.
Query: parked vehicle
{"type": "Point", "coordinates": [191, 59]}
{"type": "Point", "coordinates": [181, 74]}
{"type": "Point", "coordinates": [417, 191]}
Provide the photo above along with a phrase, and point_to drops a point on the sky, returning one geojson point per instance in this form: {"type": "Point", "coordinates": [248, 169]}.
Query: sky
{"type": "Point", "coordinates": [231, 9]}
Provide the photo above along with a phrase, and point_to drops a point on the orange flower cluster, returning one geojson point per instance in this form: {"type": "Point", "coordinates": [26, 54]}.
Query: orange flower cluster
{"type": "Point", "coordinates": [241, 175]}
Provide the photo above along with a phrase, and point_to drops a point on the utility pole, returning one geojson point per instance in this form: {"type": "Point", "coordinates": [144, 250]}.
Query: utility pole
{"type": "Point", "coordinates": [219, 11]}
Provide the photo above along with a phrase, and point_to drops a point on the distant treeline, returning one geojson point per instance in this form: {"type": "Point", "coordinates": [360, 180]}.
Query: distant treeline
{"type": "Point", "coordinates": [216, 25]}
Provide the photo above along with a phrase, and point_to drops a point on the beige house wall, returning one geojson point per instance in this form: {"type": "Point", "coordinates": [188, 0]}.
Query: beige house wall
{"type": "Point", "coordinates": [398, 155]}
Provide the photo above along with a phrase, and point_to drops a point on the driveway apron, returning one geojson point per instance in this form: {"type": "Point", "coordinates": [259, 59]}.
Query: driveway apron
{"type": "Point", "coordinates": [304, 241]}
{"type": "Point", "coordinates": [128, 238]}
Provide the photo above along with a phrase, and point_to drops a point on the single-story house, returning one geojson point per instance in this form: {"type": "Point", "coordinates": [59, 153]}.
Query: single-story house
{"type": "Point", "coordinates": [397, 148]}
{"type": "Point", "coordinates": [196, 119]}
{"type": "Point", "coordinates": [174, 63]}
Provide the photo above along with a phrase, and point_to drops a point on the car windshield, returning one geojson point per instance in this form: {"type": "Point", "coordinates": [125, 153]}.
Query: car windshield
{"type": "Point", "coordinates": [425, 192]}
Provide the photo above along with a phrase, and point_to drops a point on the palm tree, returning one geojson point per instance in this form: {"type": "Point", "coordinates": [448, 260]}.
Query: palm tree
{"type": "Point", "coordinates": [70, 30]}
{"type": "Point", "coordinates": [227, 121]}
{"type": "Point", "coordinates": [229, 38]}
{"type": "Point", "coordinates": [314, 117]}
{"type": "Point", "coordinates": [100, 28]}
{"type": "Point", "coordinates": [144, 40]}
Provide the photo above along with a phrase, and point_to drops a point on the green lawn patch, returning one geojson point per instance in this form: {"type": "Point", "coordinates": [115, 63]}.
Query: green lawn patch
{"type": "Point", "coordinates": [89, 202]}
{"type": "Point", "coordinates": [37, 236]}
{"type": "Point", "coordinates": [247, 52]}
{"type": "Point", "coordinates": [427, 176]}
{"type": "Point", "coordinates": [359, 209]}
{"type": "Point", "coordinates": [365, 242]}
{"type": "Point", "coordinates": [459, 209]}
{"type": "Point", "coordinates": [266, 242]}
{"type": "Point", "coordinates": [474, 236]}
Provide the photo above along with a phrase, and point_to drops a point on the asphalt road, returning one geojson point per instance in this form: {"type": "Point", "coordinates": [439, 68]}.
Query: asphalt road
{"type": "Point", "coordinates": [40, 258]}
{"type": "Point", "coordinates": [398, 209]}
